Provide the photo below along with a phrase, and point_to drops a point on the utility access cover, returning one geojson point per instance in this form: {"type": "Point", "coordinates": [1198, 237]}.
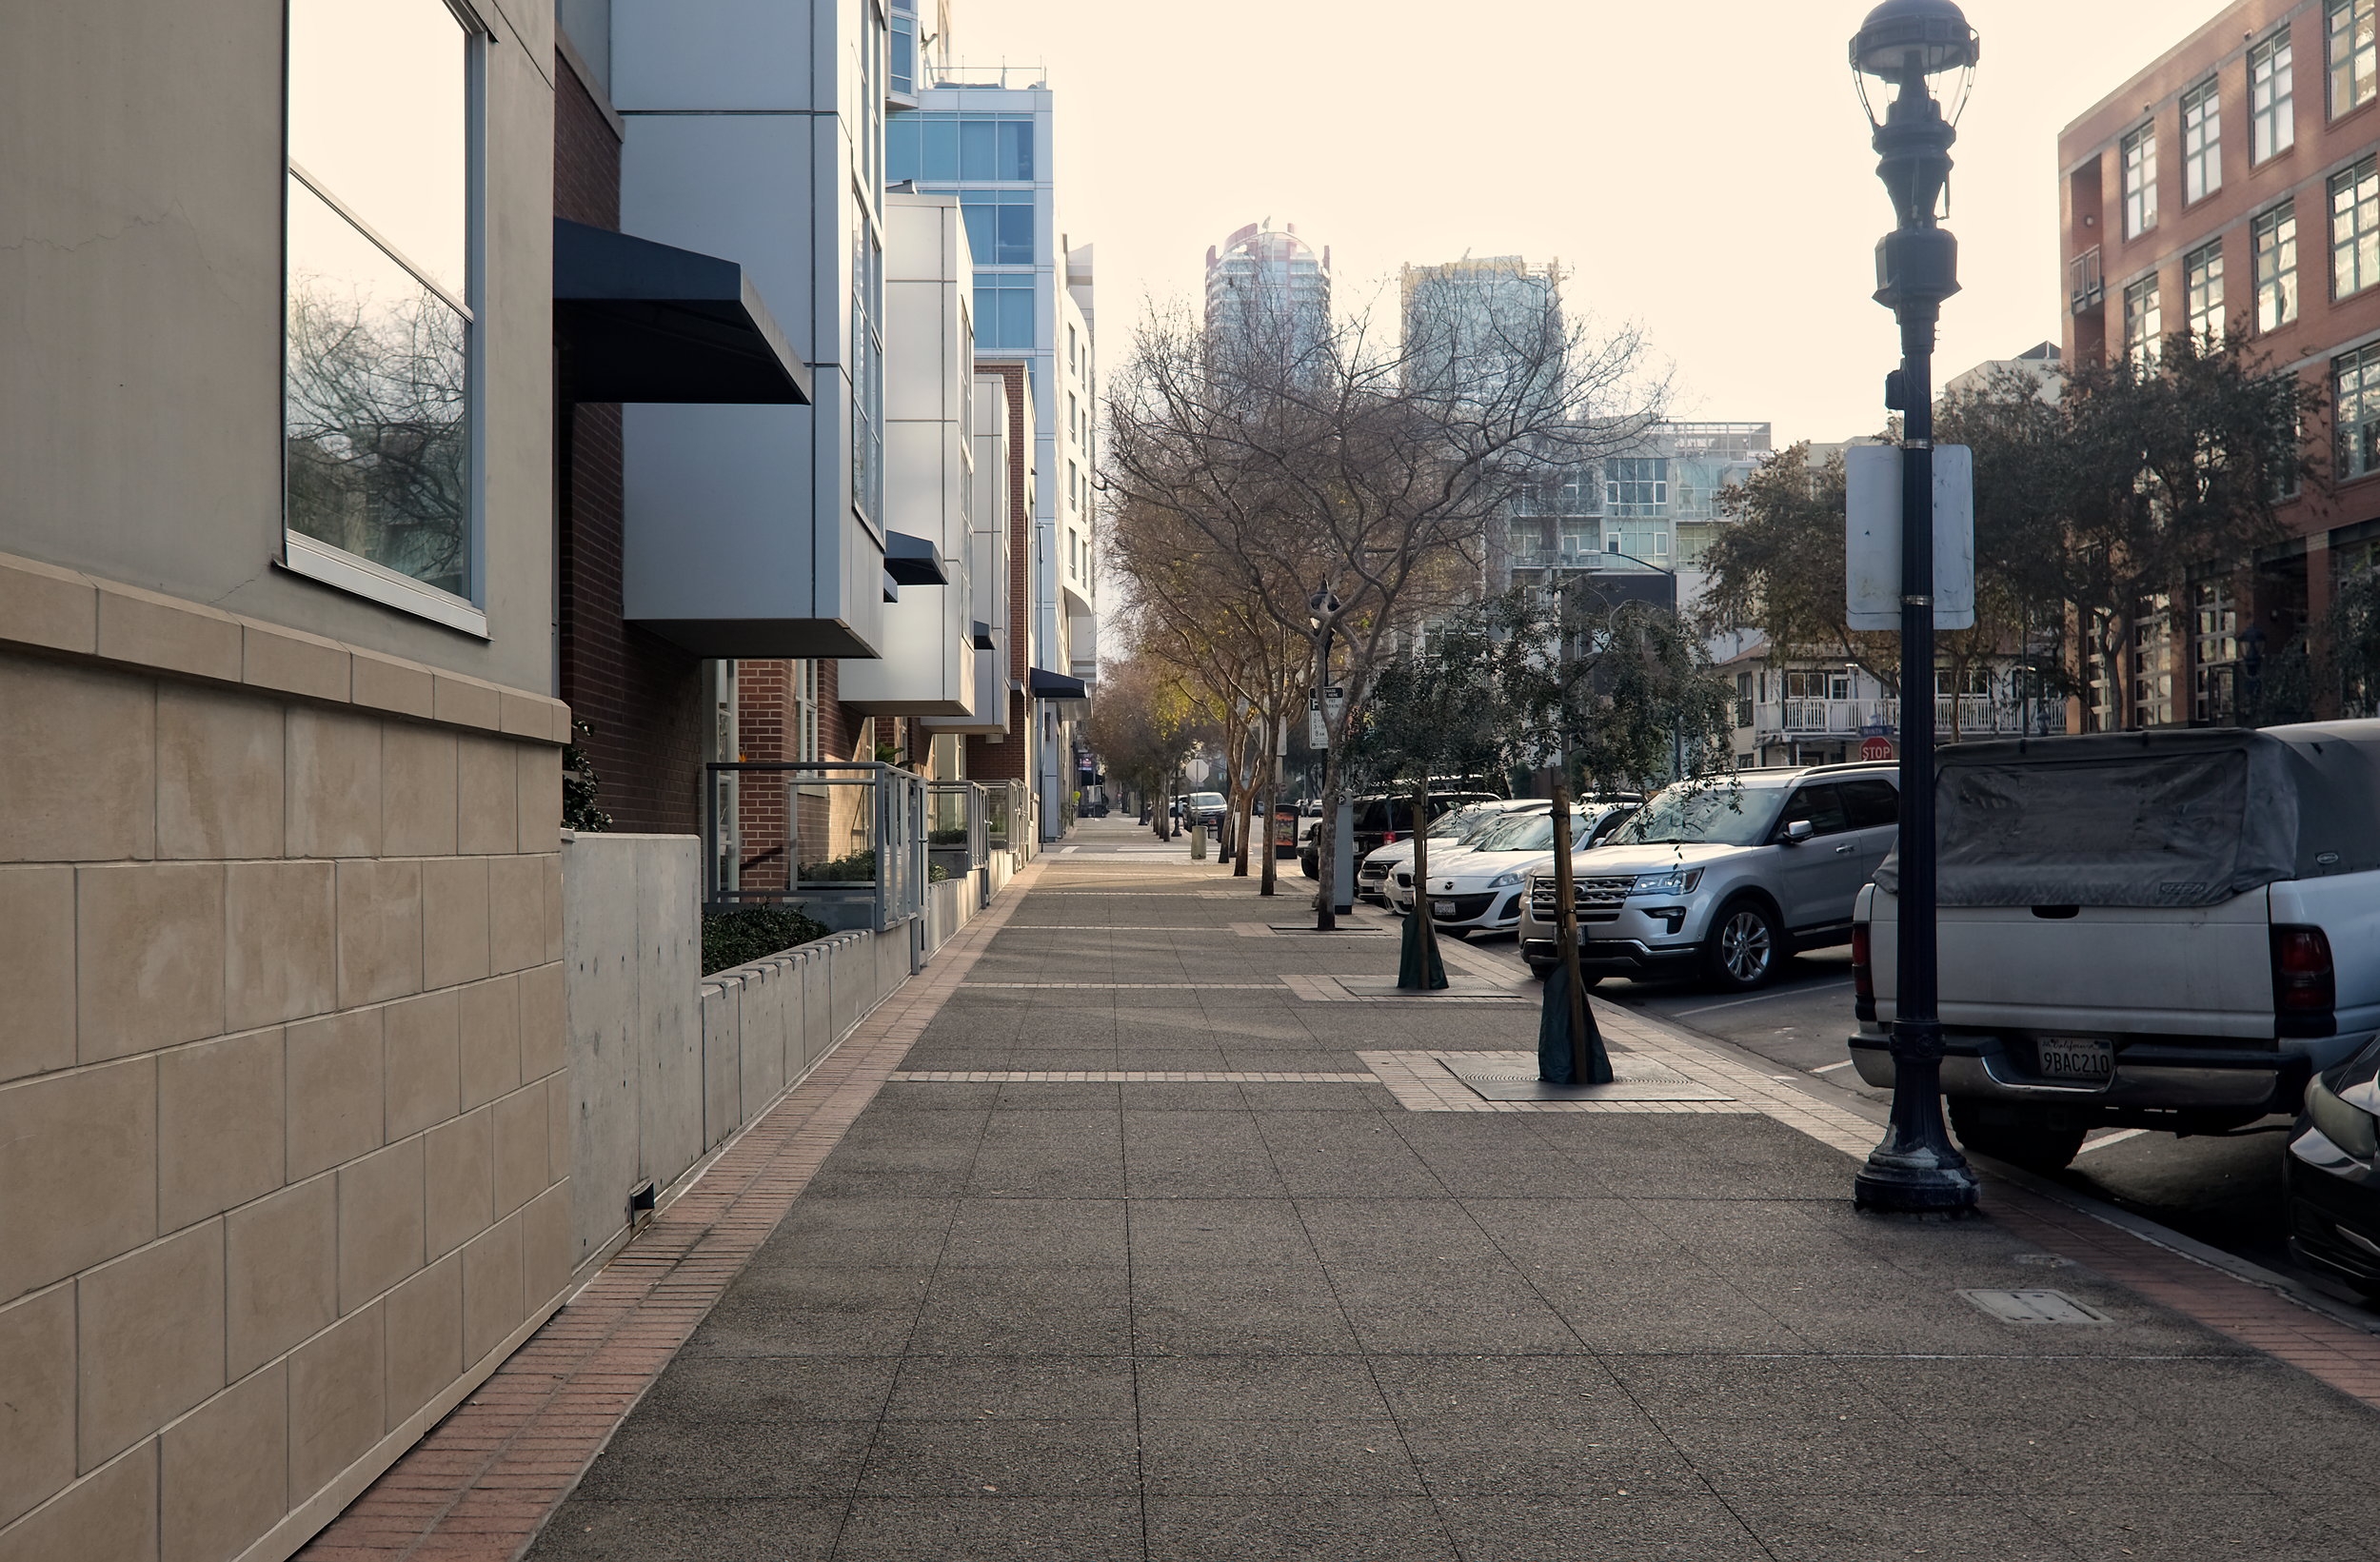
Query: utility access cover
{"type": "Point", "coordinates": [1513, 1077]}
{"type": "Point", "coordinates": [2035, 1307]}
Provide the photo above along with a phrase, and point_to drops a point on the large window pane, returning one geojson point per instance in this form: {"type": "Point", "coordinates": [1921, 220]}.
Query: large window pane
{"type": "Point", "coordinates": [1015, 149]}
{"type": "Point", "coordinates": [2202, 140]}
{"type": "Point", "coordinates": [378, 117]}
{"type": "Point", "coordinates": [978, 158]}
{"type": "Point", "coordinates": [2276, 267]}
{"type": "Point", "coordinates": [2271, 97]}
{"type": "Point", "coordinates": [2355, 229]}
{"type": "Point", "coordinates": [2355, 55]}
{"type": "Point", "coordinates": [375, 413]}
{"type": "Point", "coordinates": [941, 148]}
{"type": "Point", "coordinates": [904, 148]}
{"type": "Point", "coordinates": [1015, 234]}
{"type": "Point", "coordinates": [2140, 180]}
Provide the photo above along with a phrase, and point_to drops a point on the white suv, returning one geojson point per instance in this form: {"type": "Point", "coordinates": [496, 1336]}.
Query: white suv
{"type": "Point", "coordinates": [1724, 877]}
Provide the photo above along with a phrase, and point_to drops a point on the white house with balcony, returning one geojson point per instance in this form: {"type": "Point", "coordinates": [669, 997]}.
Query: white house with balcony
{"type": "Point", "coordinates": [1812, 709]}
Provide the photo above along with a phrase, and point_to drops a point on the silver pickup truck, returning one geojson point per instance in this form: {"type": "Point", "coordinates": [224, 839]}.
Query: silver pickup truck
{"type": "Point", "coordinates": [2169, 930]}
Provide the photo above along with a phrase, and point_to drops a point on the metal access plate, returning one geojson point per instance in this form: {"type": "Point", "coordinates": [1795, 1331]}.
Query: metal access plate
{"type": "Point", "coordinates": [1342, 930]}
{"type": "Point", "coordinates": [1455, 987]}
{"type": "Point", "coordinates": [2035, 1307]}
{"type": "Point", "coordinates": [1513, 1077]}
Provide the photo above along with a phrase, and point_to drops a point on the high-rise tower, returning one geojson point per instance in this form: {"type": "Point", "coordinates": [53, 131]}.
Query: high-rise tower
{"type": "Point", "coordinates": [1271, 281]}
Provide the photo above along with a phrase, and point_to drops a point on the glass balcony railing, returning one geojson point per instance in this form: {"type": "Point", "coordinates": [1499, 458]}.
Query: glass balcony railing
{"type": "Point", "coordinates": [843, 840]}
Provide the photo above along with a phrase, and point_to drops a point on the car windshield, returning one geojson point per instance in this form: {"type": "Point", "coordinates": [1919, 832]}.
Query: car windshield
{"type": "Point", "coordinates": [1703, 814]}
{"type": "Point", "coordinates": [1207, 799]}
{"type": "Point", "coordinates": [1533, 834]}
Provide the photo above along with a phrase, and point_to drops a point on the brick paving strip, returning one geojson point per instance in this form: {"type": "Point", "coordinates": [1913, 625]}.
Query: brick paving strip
{"type": "Point", "coordinates": [484, 1481]}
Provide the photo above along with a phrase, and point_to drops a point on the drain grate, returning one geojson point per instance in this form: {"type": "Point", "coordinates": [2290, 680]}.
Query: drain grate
{"type": "Point", "coordinates": [2035, 1307]}
{"type": "Point", "coordinates": [1513, 1077]}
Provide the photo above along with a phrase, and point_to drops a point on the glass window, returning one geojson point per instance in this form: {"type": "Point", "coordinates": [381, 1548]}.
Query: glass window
{"type": "Point", "coordinates": [1822, 805]}
{"type": "Point", "coordinates": [902, 63]}
{"type": "Point", "coordinates": [2202, 140]}
{"type": "Point", "coordinates": [1000, 226]}
{"type": "Point", "coordinates": [940, 148]}
{"type": "Point", "coordinates": [867, 366]}
{"type": "Point", "coordinates": [1636, 485]}
{"type": "Point", "coordinates": [2215, 646]}
{"type": "Point", "coordinates": [2153, 668]}
{"type": "Point", "coordinates": [1003, 311]}
{"type": "Point", "coordinates": [2355, 55]}
{"type": "Point", "coordinates": [2355, 227]}
{"type": "Point", "coordinates": [2275, 236]}
{"type": "Point", "coordinates": [2202, 287]}
{"type": "Point", "coordinates": [2357, 389]}
{"type": "Point", "coordinates": [2140, 180]}
{"type": "Point", "coordinates": [377, 368]}
{"type": "Point", "coordinates": [2271, 98]}
{"type": "Point", "coordinates": [1871, 805]}
{"type": "Point", "coordinates": [2144, 322]}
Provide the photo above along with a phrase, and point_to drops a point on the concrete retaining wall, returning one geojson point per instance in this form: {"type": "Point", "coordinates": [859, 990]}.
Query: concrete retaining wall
{"type": "Point", "coordinates": [666, 1064]}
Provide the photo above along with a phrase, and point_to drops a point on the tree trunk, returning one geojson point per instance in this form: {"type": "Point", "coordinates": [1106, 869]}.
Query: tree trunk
{"type": "Point", "coordinates": [1422, 970]}
{"type": "Point", "coordinates": [1271, 782]}
{"type": "Point", "coordinates": [1326, 843]}
{"type": "Point", "coordinates": [1588, 1064]}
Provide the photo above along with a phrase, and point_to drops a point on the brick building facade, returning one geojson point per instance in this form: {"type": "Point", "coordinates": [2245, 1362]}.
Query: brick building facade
{"type": "Point", "coordinates": [2235, 184]}
{"type": "Point", "coordinates": [640, 696]}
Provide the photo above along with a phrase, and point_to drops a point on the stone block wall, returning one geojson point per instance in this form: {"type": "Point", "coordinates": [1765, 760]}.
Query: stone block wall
{"type": "Point", "coordinates": [284, 1122]}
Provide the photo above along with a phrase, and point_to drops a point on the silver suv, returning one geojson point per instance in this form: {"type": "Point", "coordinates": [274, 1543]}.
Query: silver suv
{"type": "Point", "coordinates": [1724, 878]}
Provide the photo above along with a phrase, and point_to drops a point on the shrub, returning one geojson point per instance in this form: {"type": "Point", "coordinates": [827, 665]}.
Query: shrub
{"type": "Point", "coordinates": [739, 938]}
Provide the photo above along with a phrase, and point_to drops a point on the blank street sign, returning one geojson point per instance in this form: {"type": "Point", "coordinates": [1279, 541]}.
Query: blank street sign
{"type": "Point", "coordinates": [1872, 548]}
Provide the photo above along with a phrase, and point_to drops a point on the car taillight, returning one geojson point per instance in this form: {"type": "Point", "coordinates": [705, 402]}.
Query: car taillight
{"type": "Point", "coordinates": [1862, 974]}
{"type": "Point", "coordinates": [1389, 838]}
{"type": "Point", "coordinates": [2303, 981]}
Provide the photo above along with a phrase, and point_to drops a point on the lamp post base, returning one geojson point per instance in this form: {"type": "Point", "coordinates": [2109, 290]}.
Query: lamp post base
{"type": "Point", "coordinates": [1916, 1180]}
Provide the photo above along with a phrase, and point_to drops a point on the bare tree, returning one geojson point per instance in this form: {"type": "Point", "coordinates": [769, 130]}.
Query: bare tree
{"type": "Point", "coordinates": [1344, 479]}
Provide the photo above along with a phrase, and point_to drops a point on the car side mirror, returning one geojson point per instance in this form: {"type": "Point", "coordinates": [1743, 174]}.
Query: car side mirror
{"type": "Point", "coordinates": [1798, 831]}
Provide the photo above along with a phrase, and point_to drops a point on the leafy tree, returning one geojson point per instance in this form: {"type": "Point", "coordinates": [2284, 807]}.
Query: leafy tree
{"type": "Point", "coordinates": [1432, 713]}
{"type": "Point", "coordinates": [1613, 697]}
{"type": "Point", "coordinates": [1139, 727]}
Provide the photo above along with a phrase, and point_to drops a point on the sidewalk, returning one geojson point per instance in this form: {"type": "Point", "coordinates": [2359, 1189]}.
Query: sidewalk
{"type": "Point", "coordinates": [1258, 1277]}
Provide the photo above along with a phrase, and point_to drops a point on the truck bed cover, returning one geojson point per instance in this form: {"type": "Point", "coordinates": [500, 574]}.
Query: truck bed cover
{"type": "Point", "coordinates": [2169, 817]}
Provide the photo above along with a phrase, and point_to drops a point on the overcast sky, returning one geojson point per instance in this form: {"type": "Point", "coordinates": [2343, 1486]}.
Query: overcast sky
{"type": "Point", "coordinates": [1702, 169]}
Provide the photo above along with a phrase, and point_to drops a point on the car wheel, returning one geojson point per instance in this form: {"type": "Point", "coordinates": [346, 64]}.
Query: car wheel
{"type": "Point", "coordinates": [2011, 1135]}
{"type": "Point", "coordinates": [1746, 947]}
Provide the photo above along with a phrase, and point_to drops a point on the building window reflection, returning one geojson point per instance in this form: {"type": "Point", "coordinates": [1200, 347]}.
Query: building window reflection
{"type": "Point", "coordinates": [377, 370]}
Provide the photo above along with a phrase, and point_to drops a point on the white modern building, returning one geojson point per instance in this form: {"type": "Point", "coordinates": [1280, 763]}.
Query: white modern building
{"type": "Point", "coordinates": [1268, 282]}
{"type": "Point", "coordinates": [757, 132]}
{"type": "Point", "coordinates": [926, 664]}
{"type": "Point", "coordinates": [987, 134]}
{"type": "Point", "coordinates": [1650, 512]}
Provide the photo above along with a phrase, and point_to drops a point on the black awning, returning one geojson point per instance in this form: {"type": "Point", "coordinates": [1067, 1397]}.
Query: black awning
{"type": "Point", "coordinates": [912, 561]}
{"type": "Point", "coordinates": [636, 321]}
{"type": "Point", "coordinates": [984, 641]}
{"type": "Point", "coordinates": [1044, 684]}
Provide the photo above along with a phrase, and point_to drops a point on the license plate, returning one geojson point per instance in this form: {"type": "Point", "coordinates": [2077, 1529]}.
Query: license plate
{"type": "Point", "coordinates": [2075, 1060]}
{"type": "Point", "coordinates": [1442, 908]}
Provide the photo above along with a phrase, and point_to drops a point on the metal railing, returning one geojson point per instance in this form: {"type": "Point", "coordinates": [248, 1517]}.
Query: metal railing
{"type": "Point", "coordinates": [957, 836]}
{"type": "Point", "coordinates": [843, 840]}
{"type": "Point", "coordinates": [1978, 715]}
{"type": "Point", "coordinates": [1007, 818]}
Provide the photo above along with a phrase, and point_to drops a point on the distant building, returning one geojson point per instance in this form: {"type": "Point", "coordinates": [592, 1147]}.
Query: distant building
{"type": "Point", "coordinates": [1471, 324]}
{"type": "Point", "coordinates": [2233, 185]}
{"type": "Point", "coordinates": [1651, 511]}
{"type": "Point", "coordinates": [2040, 364]}
{"type": "Point", "coordinates": [1270, 280]}
{"type": "Point", "coordinates": [986, 133]}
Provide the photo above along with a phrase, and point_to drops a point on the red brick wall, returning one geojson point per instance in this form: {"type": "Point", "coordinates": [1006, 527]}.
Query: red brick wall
{"type": "Point", "coordinates": [642, 696]}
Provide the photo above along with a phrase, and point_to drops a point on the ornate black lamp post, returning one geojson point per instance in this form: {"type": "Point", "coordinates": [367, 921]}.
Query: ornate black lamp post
{"type": "Point", "coordinates": [1907, 43]}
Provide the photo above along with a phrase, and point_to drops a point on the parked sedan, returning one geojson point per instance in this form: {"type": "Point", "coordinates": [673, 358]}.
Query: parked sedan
{"type": "Point", "coordinates": [1455, 832]}
{"type": "Point", "coordinates": [1481, 889]}
{"type": "Point", "coordinates": [2332, 1171]}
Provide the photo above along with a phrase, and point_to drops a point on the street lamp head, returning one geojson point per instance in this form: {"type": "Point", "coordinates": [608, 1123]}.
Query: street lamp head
{"type": "Point", "coordinates": [1906, 41]}
{"type": "Point", "coordinates": [1321, 608]}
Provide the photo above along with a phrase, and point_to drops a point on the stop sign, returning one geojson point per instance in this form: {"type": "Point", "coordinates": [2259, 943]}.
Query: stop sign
{"type": "Point", "coordinates": [1875, 748]}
